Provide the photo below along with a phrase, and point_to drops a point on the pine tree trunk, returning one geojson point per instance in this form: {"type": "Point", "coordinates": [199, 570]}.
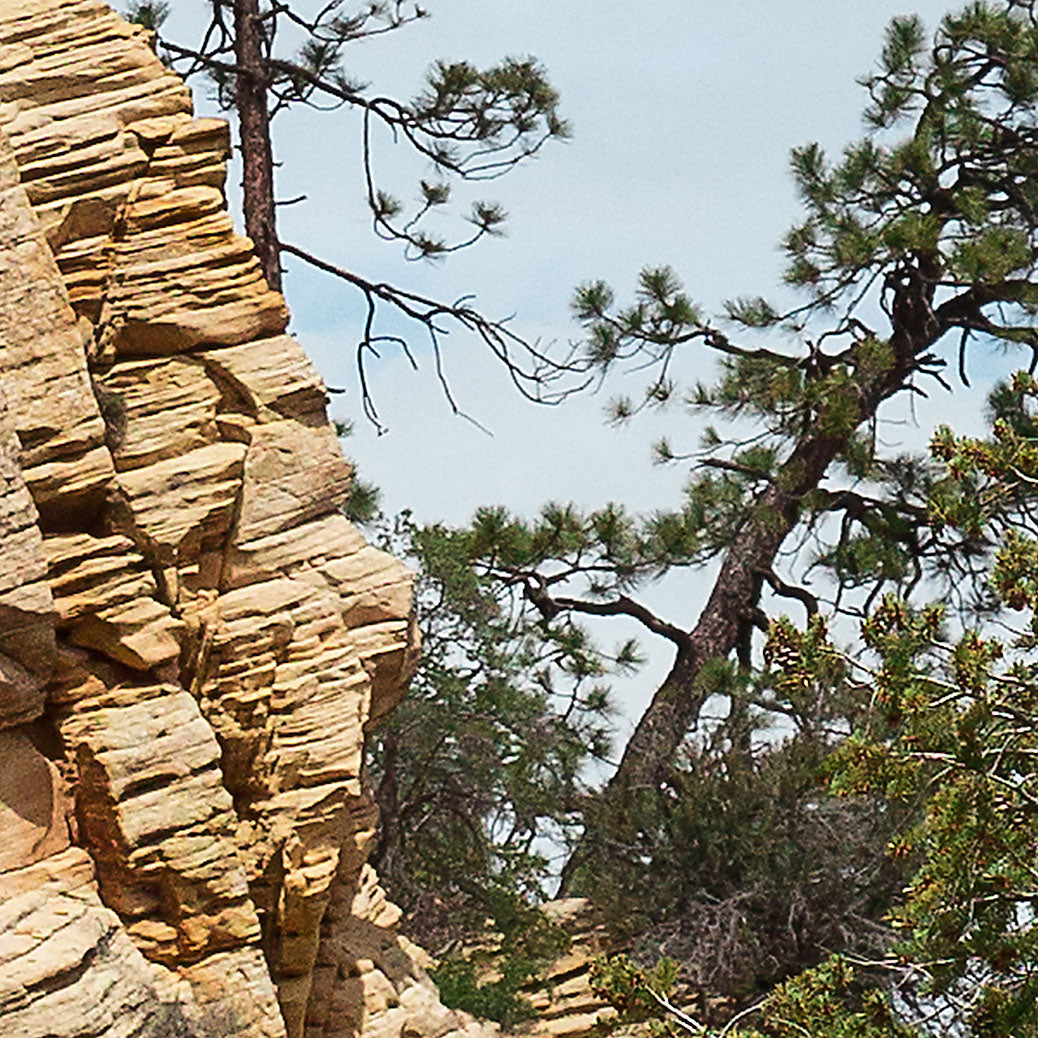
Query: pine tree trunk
{"type": "Point", "coordinates": [677, 703]}
{"type": "Point", "coordinates": [648, 756]}
{"type": "Point", "coordinates": [254, 130]}
{"type": "Point", "coordinates": [675, 706]}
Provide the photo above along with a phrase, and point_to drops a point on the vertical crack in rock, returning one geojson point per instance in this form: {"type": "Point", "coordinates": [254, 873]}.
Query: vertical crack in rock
{"type": "Point", "coordinates": [108, 317]}
{"type": "Point", "coordinates": [185, 613]}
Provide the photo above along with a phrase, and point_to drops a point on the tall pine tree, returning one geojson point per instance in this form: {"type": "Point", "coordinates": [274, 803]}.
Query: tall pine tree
{"type": "Point", "coordinates": [915, 248]}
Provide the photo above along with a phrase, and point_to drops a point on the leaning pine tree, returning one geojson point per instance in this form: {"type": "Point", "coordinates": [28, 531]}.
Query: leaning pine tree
{"type": "Point", "coordinates": [917, 247]}
{"type": "Point", "coordinates": [948, 720]}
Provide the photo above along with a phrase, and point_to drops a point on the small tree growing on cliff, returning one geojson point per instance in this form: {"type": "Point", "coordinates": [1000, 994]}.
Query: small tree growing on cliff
{"type": "Point", "coordinates": [470, 124]}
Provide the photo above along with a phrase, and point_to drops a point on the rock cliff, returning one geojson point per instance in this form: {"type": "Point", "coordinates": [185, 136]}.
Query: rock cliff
{"type": "Point", "coordinates": [192, 636]}
{"type": "Point", "coordinates": [563, 996]}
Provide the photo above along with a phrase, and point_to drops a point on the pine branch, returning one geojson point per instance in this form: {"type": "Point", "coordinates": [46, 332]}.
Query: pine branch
{"type": "Point", "coordinates": [784, 590]}
{"type": "Point", "coordinates": [550, 606]}
{"type": "Point", "coordinates": [532, 380]}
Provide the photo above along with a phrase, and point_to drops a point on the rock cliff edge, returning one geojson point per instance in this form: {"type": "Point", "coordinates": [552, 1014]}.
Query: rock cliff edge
{"type": "Point", "coordinates": [192, 636]}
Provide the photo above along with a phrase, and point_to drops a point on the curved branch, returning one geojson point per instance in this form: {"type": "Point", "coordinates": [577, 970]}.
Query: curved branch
{"type": "Point", "coordinates": [784, 590]}
{"type": "Point", "coordinates": [549, 606]}
{"type": "Point", "coordinates": [540, 380]}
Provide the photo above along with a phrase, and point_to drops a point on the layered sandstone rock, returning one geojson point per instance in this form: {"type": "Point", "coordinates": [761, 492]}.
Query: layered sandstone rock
{"type": "Point", "coordinates": [192, 636]}
{"type": "Point", "coordinates": [566, 1004]}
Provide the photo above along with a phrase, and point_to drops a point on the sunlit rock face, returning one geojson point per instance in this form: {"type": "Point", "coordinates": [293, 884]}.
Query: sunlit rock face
{"type": "Point", "coordinates": [564, 998]}
{"type": "Point", "coordinates": [192, 636]}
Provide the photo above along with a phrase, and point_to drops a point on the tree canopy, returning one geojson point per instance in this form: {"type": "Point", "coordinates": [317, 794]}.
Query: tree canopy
{"type": "Point", "coordinates": [915, 247]}
{"type": "Point", "coordinates": [866, 789]}
{"type": "Point", "coordinates": [944, 747]}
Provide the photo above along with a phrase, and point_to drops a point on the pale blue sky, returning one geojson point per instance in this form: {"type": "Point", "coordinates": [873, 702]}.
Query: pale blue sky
{"type": "Point", "coordinates": [683, 116]}
{"type": "Point", "coordinates": [683, 113]}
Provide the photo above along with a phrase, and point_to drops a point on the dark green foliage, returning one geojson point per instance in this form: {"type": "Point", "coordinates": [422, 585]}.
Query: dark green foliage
{"type": "Point", "coordinates": [362, 506]}
{"type": "Point", "coordinates": [639, 995]}
{"type": "Point", "coordinates": [477, 769]}
{"type": "Point", "coordinates": [959, 191]}
{"type": "Point", "coordinates": [460, 988]}
{"type": "Point", "coordinates": [743, 869]}
{"type": "Point", "coordinates": [957, 723]}
{"type": "Point", "coordinates": [483, 758]}
{"type": "Point", "coordinates": [150, 14]}
{"type": "Point", "coordinates": [828, 1001]}
{"type": "Point", "coordinates": [488, 979]}
{"type": "Point", "coordinates": [944, 742]}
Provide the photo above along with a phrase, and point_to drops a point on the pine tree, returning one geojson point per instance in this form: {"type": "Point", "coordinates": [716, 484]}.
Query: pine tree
{"type": "Point", "coordinates": [916, 247]}
{"type": "Point", "coordinates": [956, 725]}
{"type": "Point", "coordinates": [266, 57]}
{"type": "Point", "coordinates": [944, 742]}
{"type": "Point", "coordinates": [478, 774]}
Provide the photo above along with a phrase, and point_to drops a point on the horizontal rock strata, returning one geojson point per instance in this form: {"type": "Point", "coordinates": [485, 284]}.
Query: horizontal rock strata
{"type": "Point", "coordinates": [192, 635]}
{"type": "Point", "coordinates": [566, 1004]}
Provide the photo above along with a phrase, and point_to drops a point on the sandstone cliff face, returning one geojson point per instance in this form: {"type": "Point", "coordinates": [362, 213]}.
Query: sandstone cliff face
{"type": "Point", "coordinates": [192, 636]}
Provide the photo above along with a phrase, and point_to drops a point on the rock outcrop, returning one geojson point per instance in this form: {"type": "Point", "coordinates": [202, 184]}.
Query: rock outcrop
{"type": "Point", "coordinates": [192, 635]}
{"type": "Point", "coordinates": [563, 997]}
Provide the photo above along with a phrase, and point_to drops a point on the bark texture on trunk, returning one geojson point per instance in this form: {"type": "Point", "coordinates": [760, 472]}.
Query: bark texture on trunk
{"type": "Point", "coordinates": [254, 130]}
{"type": "Point", "coordinates": [676, 704]}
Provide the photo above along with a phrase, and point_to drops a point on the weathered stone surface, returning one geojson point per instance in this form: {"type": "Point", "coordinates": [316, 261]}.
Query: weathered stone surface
{"type": "Point", "coordinates": [159, 409]}
{"type": "Point", "coordinates": [128, 186]}
{"type": "Point", "coordinates": [27, 646]}
{"type": "Point", "coordinates": [32, 803]}
{"type": "Point", "coordinates": [369, 980]}
{"type": "Point", "coordinates": [160, 825]}
{"type": "Point", "coordinates": [196, 632]}
{"type": "Point", "coordinates": [44, 368]}
{"type": "Point", "coordinates": [67, 965]}
{"type": "Point", "coordinates": [566, 1005]}
{"type": "Point", "coordinates": [107, 599]}
{"type": "Point", "coordinates": [232, 996]}
{"type": "Point", "coordinates": [179, 504]}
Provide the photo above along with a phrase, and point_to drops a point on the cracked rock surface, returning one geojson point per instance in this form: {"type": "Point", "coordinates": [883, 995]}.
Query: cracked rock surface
{"type": "Point", "coordinates": [192, 636]}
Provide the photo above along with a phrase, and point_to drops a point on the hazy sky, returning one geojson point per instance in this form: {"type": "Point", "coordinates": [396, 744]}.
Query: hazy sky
{"type": "Point", "coordinates": [683, 114]}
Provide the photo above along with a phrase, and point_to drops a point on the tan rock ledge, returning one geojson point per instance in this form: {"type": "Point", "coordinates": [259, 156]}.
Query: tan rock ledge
{"type": "Point", "coordinates": [192, 636]}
